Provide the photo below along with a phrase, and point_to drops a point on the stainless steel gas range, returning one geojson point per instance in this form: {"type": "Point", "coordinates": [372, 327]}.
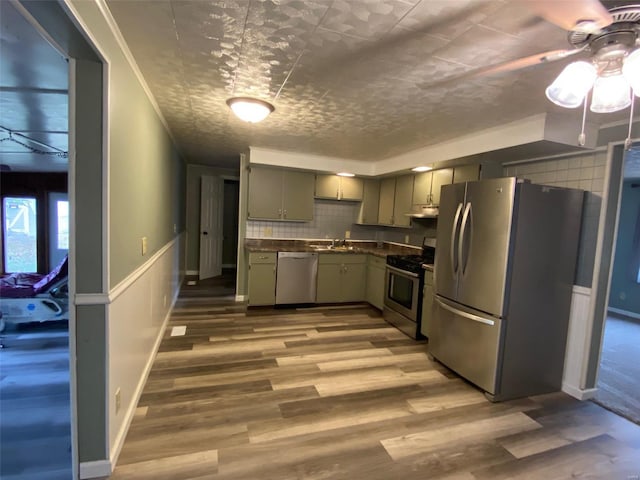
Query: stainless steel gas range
{"type": "Point", "coordinates": [404, 281]}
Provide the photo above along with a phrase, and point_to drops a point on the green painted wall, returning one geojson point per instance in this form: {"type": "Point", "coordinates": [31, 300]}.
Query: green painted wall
{"type": "Point", "coordinates": [625, 290]}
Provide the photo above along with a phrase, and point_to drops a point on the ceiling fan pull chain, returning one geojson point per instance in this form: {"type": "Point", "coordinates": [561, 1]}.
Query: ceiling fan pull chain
{"type": "Point", "coordinates": [582, 138]}
{"type": "Point", "coordinates": [627, 142]}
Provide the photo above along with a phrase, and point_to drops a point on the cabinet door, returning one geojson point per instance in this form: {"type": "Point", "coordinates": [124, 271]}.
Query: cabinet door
{"type": "Point", "coordinates": [329, 280]}
{"type": "Point", "coordinates": [385, 206]}
{"type": "Point", "coordinates": [443, 176]}
{"type": "Point", "coordinates": [351, 188]}
{"type": "Point", "coordinates": [265, 193]}
{"type": "Point", "coordinates": [297, 196]}
{"type": "Point", "coordinates": [262, 284]}
{"type": "Point", "coordinates": [375, 286]}
{"type": "Point", "coordinates": [327, 186]}
{"type": "Point", "coordinates": [422, 188]}
{"type": "Point", "coordinates": [370, 202]}
{"type": "Point", "coordinates": [466, 173]}
{"type": "Point", "coordinates": [354, 282]}
{"type": "Point", "coordinates": [402, 202]}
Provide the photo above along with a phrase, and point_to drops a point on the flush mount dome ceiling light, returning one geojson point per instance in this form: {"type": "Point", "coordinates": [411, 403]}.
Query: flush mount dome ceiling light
{"type": "Point", "coordinates": [249, 109]}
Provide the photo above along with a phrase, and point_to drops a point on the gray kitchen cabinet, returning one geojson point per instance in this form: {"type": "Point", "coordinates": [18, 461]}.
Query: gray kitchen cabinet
{"type": "Point", "coordinates": [262, 278]}
{"type": "Point", "coordinates": [385, 207]}
{"type": "Point", "coordinates": [402, 201]}
{"type": "Point", "coordinates": [278, 194]}
{"type": "Point", "coordinates": [368, 214]}
{"type": "Point", "coordinates": [426, 187]}
{"type": "Point", "coordinates": [375, 281]}
{"type": "Point", "coordinates": [341, 278]}
{"type": "Point", "coordinates": [395, 201]}
{"type": "Point", "coordinates": [334, 187]}
{"type": "Point", "coordinates": [427, 304]}
{"type": "Point", "coordinates": [466, 173]}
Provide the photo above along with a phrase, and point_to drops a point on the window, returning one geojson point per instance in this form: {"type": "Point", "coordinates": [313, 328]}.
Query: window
{"type": "Point", "coordinates": [62, 210]}
{"type": "Point", "coordinates": [20, 234]}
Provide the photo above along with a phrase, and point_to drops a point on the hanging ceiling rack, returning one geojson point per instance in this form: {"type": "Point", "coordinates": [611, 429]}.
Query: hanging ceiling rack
{"type": "Point", "coordinates": [52, 150]}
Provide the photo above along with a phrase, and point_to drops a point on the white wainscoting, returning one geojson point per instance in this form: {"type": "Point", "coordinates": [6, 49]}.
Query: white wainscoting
{"type": "Point", "coordinates": [136, 319]}
{"type": "Point", "coordinates": [577, 344]}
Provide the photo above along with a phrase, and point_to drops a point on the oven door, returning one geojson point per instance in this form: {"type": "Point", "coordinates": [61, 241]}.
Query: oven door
{"type": "Point", "coordinates": [402, 292]}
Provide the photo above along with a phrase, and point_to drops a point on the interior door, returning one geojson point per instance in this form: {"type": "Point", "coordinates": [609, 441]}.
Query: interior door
{"type": "Point", "coordinates": [211, 191]}
{"type": "Point", "coordinates": [449, 218]}
{"type": "Point", "coordinates": [484, 249]}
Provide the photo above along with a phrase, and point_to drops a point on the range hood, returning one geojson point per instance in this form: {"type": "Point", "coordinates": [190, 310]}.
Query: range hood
{"type": "Point", "coordinates": [423, 211]}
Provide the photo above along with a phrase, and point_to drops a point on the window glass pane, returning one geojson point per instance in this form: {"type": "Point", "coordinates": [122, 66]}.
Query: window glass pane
{"type": "Point", "coordinates": [63, 224]}
{"type": "Point", "coordinates": [20, 234]}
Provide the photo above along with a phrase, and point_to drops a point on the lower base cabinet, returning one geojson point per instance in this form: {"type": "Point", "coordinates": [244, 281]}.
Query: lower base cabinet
{"type": "Point", "coordinates": [375, 281]}
{"type": "Point", "coordinates": [427, 304]}
{"type": "Point", "coordinates": [341, 278]}
{"type": "Point", "coordinates": [262, 278]}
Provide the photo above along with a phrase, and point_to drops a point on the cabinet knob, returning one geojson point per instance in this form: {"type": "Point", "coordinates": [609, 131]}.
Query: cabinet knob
{"type": "Point", "coordinates": [205, 233]}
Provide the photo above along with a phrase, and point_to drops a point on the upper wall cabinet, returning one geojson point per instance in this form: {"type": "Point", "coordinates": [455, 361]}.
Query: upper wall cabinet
{"type": "Point", "coordinates": [466, 173]}
{"type": "Point", "coordinates": [335, 187]}
{"type": "Point", "coordinates": [277, 194]}
{"type": "Point", "coordinates": [370, 201]}
{"type": "Point", "coordinates": [395, 201]}
{"type": "Point", "coordinates": [426, 187]}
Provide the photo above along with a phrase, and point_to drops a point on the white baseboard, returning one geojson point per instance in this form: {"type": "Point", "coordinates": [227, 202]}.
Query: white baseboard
{"type": "Point", "coordinates": [625, 313]}
{"type": "Point", "coordinates": [241, 298]}
{"type": "Point", "coordinates": [193, 272]}
{"type": "Point", "coordinates": [97, 469]}
{"type": "Point", "coordinates": [580, 394]}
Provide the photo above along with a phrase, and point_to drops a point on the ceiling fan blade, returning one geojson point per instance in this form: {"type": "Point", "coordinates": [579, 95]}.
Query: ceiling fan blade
{"type": "Point", "coordinates": [531, 60]}
{"type": "Point", "coordinates": [509, 66]}
{"type": "Point", "coordinates": [580, 15]}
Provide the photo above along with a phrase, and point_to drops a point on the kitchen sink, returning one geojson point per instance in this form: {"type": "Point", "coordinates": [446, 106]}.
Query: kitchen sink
{"type": "Point", "coordinates": [331, 248]}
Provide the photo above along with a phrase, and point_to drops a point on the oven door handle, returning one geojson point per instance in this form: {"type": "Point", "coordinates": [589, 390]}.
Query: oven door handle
{"type": "Point", "coordinates": [402, 272]}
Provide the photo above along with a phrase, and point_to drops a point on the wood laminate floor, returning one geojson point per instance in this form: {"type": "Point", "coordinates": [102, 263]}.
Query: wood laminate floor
{"type": "Point", "coordinates": [339, 394]}
{"type": "Point", "coordinates": [35, 422]}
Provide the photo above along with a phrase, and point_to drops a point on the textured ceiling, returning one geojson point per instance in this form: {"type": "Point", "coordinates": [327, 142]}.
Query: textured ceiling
{"type": "Point", "coordinates": [33, 97]}
{"type": "Point", "coordinates": [348, 78]}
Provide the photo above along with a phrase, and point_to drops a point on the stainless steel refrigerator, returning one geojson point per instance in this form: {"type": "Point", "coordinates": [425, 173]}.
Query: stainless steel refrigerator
{"type": "Point", "coordinates": [504, 270]}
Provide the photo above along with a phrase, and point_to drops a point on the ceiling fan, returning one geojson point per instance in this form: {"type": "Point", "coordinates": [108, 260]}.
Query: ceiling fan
{"type": "Point", "coordinates": [608, 41]}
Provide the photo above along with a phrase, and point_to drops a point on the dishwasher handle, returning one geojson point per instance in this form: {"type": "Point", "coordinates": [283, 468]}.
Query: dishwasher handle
{"type": "Point", "coordinates": [297, 255]}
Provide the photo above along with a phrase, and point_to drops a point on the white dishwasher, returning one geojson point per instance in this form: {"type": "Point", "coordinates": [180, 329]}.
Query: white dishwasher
{"type": "Point", "coordinates": [296, 277]}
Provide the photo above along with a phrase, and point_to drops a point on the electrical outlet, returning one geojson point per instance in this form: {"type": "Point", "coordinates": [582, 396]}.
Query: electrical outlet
{"type": "Point", "coordinates": [175, 228]}
{"type": "Point", "coordinates": [144, 245]}
{"type": "Point", "coordinates": [118, 400]}
{"type": "Point", "coordinates": [268, 231]}
{"type": "Point", "coordinates": [406, 239]}
{"type": "Point", "coordinates": [347, 234]}
{"type": "Point", "coordinates": [164, 300]}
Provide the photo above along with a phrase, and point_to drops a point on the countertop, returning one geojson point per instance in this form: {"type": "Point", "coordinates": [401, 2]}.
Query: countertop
{"type": "Point", "coordinates": [356, 246]}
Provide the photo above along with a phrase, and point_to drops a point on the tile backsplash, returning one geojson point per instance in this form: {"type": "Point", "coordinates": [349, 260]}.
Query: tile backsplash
{"type": "Point", "coordinates": [332, 219]}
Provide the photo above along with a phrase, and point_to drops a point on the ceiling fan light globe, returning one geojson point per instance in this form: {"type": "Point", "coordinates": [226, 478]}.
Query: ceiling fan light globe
{"type": "Point", "coordinates": [250, 110]}
{"type": "Point", "coordinates": [571, 86]}
{"type": "Point", "coordinates": [631, 71]}
{"type": "Point", "coordinates": [610, 94]}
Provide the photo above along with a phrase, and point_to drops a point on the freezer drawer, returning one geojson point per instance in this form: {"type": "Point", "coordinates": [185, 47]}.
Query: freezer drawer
{"type": "Point", "coordinates": [467, 342]}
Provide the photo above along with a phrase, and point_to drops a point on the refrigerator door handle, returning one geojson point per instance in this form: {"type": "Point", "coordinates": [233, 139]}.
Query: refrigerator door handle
{"type": "Point", "coordinates": [466, 219]}
{"type": "Point", "coordinates": [454, 233]}
{"type": "Point", "coordinates": [464, 314]}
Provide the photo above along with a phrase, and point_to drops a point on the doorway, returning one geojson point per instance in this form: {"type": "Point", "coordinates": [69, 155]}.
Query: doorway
{"type": "Point", "coordinates": [619, 373]}
{"type": "Point", "coordinates": [35, 378]}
